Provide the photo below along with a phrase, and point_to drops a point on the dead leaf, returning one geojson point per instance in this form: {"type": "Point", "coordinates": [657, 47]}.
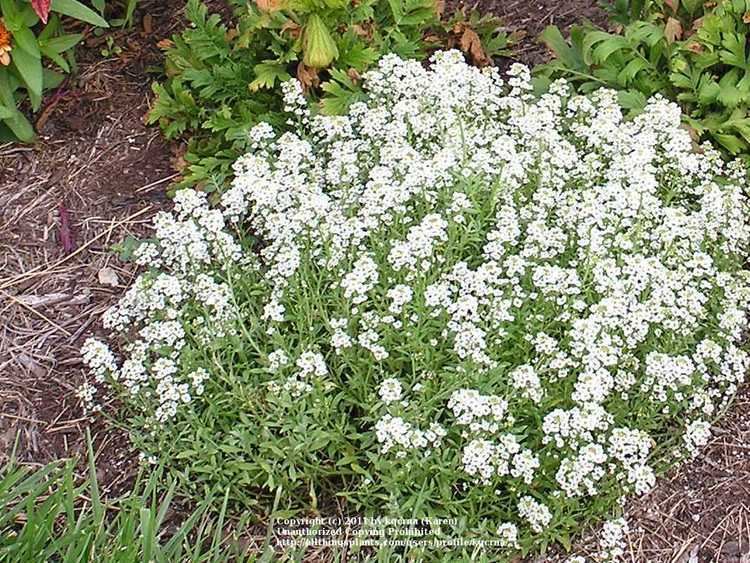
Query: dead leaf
{"type": "Point", "coordinates": [673, 30]}
{"type": "Point", "coordinates": [177, 160]}
{"type": "Point", "coordinates": [148, 23]}
{"type": "Point", "coordinates": [674, 4]}
{"type": "Point", "coordinates": [269, 5]}
{"type": "Point", "coordinates": [472, 46]}
{"type": "Point", "coordinates": [165, 44]}
{"type": "Point", "coordinates": [432, 39]}
{"type": "Point", "coordinates": [746, 17]}
{"type": "Point", "coordinates": [697, 24]}
{"type": "Point", "coordinates": [107, 276]}
{"type": "Point", "coordinates": [354, 75]}
{"type": "Point", "coordinates": [363, 30]}
{"type": "Point", "coordinates": [31, 365]}
{"type": "Point", "coordinates": [440, 8]}
{"type": "Point", "coordinates": [292, 28]}
{"type": "Point", "coordinates": [696, 48]}
{"type": "Point", "coordinates": [66, 232]}
{"type": "Point", "coordinates": [307, 76]}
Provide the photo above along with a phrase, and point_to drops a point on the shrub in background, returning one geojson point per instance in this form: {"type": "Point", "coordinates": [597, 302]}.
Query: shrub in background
{"type": "Point", "coordinates": [692, 54]}
{"type": "Point", "coordinates": [222, 80]}
{"type": "Point", "coordinates": [468, 303]}
{"type": "Point", "coordinates": [30, 33]}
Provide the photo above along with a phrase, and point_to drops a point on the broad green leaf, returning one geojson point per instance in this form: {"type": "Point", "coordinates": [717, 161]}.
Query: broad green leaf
{"type": "Point", "coordinates": [56, 58]}
{"type": "Point", "coordinates": [730, 142]}
{"type": "Point", "coordinates": [742, 126]}
{"type": "Point", "coordinates": [734, 49]}
{"type": "Point", "coordinates": [554, 40]}
{"type": "Point", "coordinates": [12, 17]}
{"type": "Point", "coordinates": [62, 43]}
{"type": "Point", "coordinates": [606, 48]}
{"type": "Point", "coordinates": [6, 113]}
{"type": "Point", "coordinates": [593, 38]}
{"type": "Point", "coordinates": [20, 126]}
{"type": "Point", "coordinates": [628, 73]}
{"type": "Point", "coordinates": [709, 92]}
{"type": "Point", "coordinates": [76, 10]}
{"type": "Point", "coordinates": [30, 70]}
{"type": "Point", "coordinates": [17, 122]}
{"type": "Point", "coordinates": [632, 100]}
{"type": "Point", "coordinates": [52, 79]}
{"type": "Point", "coordinates": [26, 40]}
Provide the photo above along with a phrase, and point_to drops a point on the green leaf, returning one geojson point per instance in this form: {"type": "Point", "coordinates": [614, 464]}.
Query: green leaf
{"type": "Point", "coordinates": [7, 113]}
{"type": "Point", "coordinates": [692, 5]}
{"type": "Point", "coordinates": [709, 92]}
{"type": "Point", "coordinates": [554, 40]}
{"type": "Point", "coordinates": [26, 40]}
{"type": "Point", "coordinates": [52, 79]}
{"type": "Point", "coordinates": [267, 74]}
{"type": "Point", "coordinates": [30, 70]}
{"type": "Point", "coordinates": [733, 53]}
{"type": "Point", "coordinates": [76, 10]}
{"type": "Point", "coordinates": [62, 43]}
{"type": "Point", "coordinates": [629, 72]}
{"type": "Point", "coordinates": [12, 17]}
{"type": "Point", "coordinates": [632, 100]}
{"type": "Point", "coordinates": [611, 45]}
{"type": "Point", "coordinates": [17, 122]}
{"type": "Point", "coordinates": [730, 142]}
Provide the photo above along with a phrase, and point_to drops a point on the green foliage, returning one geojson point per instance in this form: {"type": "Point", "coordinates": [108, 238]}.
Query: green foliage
{"type": "Point", "coordinates": [223, 79]}
{"type": "Point", "coordinates": [47, 515]}
{"type": "Point", "coordinates": [691, 54]}
{"type": "Point", "coordinates": [26, 77]}
{"type": "Point", "coordinates": [623, 12]}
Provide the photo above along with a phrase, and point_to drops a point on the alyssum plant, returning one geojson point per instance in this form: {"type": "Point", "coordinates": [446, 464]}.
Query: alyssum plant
{"type": "Point", "coordinates": [691, 52]}
{"type": "Point", "coordinates": [224, 78]}
{"type": "Point", "coordinates": [462, 302]}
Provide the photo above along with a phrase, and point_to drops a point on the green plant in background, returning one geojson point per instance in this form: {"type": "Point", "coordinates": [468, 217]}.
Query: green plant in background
{"type": "Point", "coordinates": [31, 32]}
{"type": "Point", "coordinates": [48, 515]}
{"type": "Point", "coordinates": [623, 12]}
{"type": "Point", "coordinates": [128, 11]}
{"type": "Point", "coordinates": [694, 55]}
{"type": "Point", "coordinates": [222, 80]}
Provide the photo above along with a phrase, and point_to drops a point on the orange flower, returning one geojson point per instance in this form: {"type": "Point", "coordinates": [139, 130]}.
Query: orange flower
{"type": "Point", "coordinates": [4, 45]}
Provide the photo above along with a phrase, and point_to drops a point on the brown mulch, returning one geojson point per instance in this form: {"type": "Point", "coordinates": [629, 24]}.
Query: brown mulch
{"type": "Point", "coordinates": [98, 164]}
{"type": "Point", "coordinates": [97, 159]}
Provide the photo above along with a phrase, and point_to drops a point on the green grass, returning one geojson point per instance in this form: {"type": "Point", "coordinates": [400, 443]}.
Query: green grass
{"type": "Point", "coordinates": [51, 515]}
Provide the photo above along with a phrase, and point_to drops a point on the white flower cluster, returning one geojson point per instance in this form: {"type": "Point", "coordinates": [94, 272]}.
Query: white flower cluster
{"type": "Point", "coordinates": [394, 432]}
{"type": "Point", "coordinates": [179, 305]}
{"type": "Point", "coordinates": [612, 540]}
{"type": "Point", "coordinates": [529, 291]}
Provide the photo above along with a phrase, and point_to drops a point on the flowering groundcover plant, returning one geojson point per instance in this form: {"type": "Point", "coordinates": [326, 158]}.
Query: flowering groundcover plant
{"type": "Point", "coordinates": [458, 300]}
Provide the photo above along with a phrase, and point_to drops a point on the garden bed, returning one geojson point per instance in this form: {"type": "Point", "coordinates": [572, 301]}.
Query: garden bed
{"type": "Point", "coordinates": [108, 172]}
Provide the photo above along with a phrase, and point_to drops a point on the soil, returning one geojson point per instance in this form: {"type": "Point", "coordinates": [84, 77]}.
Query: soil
{"type": "Point", "coordinates": [97, 164]}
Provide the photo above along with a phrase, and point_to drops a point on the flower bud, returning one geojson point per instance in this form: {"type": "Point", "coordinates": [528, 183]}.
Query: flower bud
{"type": "Point", "coordinates": [319, 47]}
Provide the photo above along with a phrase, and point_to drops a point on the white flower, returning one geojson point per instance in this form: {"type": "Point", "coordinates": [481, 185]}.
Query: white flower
{"type": "Point", "coordinates": [536, 514]}
{"type": "Point", "coordinates": [508, 535]}
{"type": "Point", "coordinates": [390, 390]}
